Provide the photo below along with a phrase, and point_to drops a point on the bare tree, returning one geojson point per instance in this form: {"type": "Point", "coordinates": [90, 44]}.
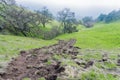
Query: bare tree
{"type": "Point", "coordinates": [45, 16]}
{"type": "Point", "coordinates": [68, 21]}
{"type": "Point", "coordinates": [88, 21]}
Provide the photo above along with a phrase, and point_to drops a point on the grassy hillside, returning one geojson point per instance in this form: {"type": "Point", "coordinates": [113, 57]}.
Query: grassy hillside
{"type": "Point", "coordinates": [101, 39]}
{"type": "Point", "coordinates": [11, 45]}
{"type": "Point", "coordinates": [104, 36]}
{"type": "Point", "coordinates": [101, 36]}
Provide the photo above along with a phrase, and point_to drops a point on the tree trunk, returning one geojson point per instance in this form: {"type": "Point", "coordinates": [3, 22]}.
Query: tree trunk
{"type": "Point", "coordinates": [23, 33]}
{"type": "Point", "coordinates": [43, 25]}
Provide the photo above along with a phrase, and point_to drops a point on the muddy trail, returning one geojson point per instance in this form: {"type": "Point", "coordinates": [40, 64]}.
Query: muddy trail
{"type": "Point", "coordinates": [39, 63]}
{"type": "Point", "coordinates": [61, 61]}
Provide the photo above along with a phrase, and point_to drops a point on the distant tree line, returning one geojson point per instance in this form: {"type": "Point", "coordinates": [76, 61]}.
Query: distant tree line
{"type": "Point", "coordinates": [106, 18]}
{"type": "Point", "coordinates": [114, 15]}
{"type": "Point", "coordinates": [111, 17]}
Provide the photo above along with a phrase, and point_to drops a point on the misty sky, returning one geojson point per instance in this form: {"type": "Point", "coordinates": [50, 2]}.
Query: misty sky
{"type": "Point", "coordinates": [80, 7]}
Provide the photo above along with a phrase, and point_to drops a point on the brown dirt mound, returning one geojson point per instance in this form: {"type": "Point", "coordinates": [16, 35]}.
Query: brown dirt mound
{"type": "Point", "coordinates": [37, 63]}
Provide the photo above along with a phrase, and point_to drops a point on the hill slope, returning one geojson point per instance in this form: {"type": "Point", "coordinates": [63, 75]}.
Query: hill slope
{"type": "Point", "coordinates": [105, 36]}
{"type": "Point", "coordinates": [11, 45]}
{"type": "Point", "coordinates": [101, 36]}
{"type": "Point", "coordinates": [102, 39]}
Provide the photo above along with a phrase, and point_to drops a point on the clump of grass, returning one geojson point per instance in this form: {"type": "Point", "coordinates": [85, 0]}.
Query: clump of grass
{"type": "Point", "coordinates": [57, 57]}
{"type": "Point", "coordinates": [109, 65]}
{"type": "Point", "coordinates": [49, 62]}
{"type": "Point", "coordinates": [26, 79]}
{"type": "Point", "coordinates": [89, 76]}
{"type": "Point", "coordinates": [69, 62]}
{"type": "Point", "coordinates": [93, 75]}
{"type": "Point", "coordinates": [42, 78]}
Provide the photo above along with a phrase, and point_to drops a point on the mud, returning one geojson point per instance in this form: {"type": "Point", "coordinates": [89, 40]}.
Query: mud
{"type": "Point", "coordinates": [37, 63]}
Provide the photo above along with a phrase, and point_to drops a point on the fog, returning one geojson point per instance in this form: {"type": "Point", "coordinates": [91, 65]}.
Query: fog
{"type": "Point", "coordinates": [80, 7]}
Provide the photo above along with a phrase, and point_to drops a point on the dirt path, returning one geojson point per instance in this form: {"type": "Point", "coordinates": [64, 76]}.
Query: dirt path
{"type": "Point", "coordinates": [37, 63]}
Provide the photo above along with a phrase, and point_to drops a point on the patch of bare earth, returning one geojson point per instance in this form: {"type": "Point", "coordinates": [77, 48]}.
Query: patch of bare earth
{"type": "Point", "coordinates": [37, 63]}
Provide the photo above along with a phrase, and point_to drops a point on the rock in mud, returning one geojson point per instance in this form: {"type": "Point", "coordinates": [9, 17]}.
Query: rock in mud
{"type": "Point", "coordinates": [104, 57]}
{"type": "Point", "coordinates": [118, 62]}
{"type": "Point", "coordinates": [89, 63]}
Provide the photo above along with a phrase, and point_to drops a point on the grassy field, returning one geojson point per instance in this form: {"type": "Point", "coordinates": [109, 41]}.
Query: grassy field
{"type": "Point", "coordinates": [11, 45]}
{"type": "Point", "coordinates": [96, 41]}
{"type": "Point", "coordinates": [101, 36]}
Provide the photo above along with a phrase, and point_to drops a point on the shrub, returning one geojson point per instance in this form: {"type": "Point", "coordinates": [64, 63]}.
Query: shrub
{"type": "Point", "coordinates": [55, 31]}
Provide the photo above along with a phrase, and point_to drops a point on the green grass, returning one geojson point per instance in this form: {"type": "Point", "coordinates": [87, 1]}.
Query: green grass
{"type": "Point", "coordinates": [101, 36]}
{"type": "Point", "coordinates": [11, 45]}
{"type": "Point", "coordinates": [93, 75]}
{"type": "Point", "coordinates": [53, 23]}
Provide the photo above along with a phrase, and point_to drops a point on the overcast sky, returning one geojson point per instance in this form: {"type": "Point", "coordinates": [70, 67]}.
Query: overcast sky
{"type": "Point", "coordinates": [81, 7]}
